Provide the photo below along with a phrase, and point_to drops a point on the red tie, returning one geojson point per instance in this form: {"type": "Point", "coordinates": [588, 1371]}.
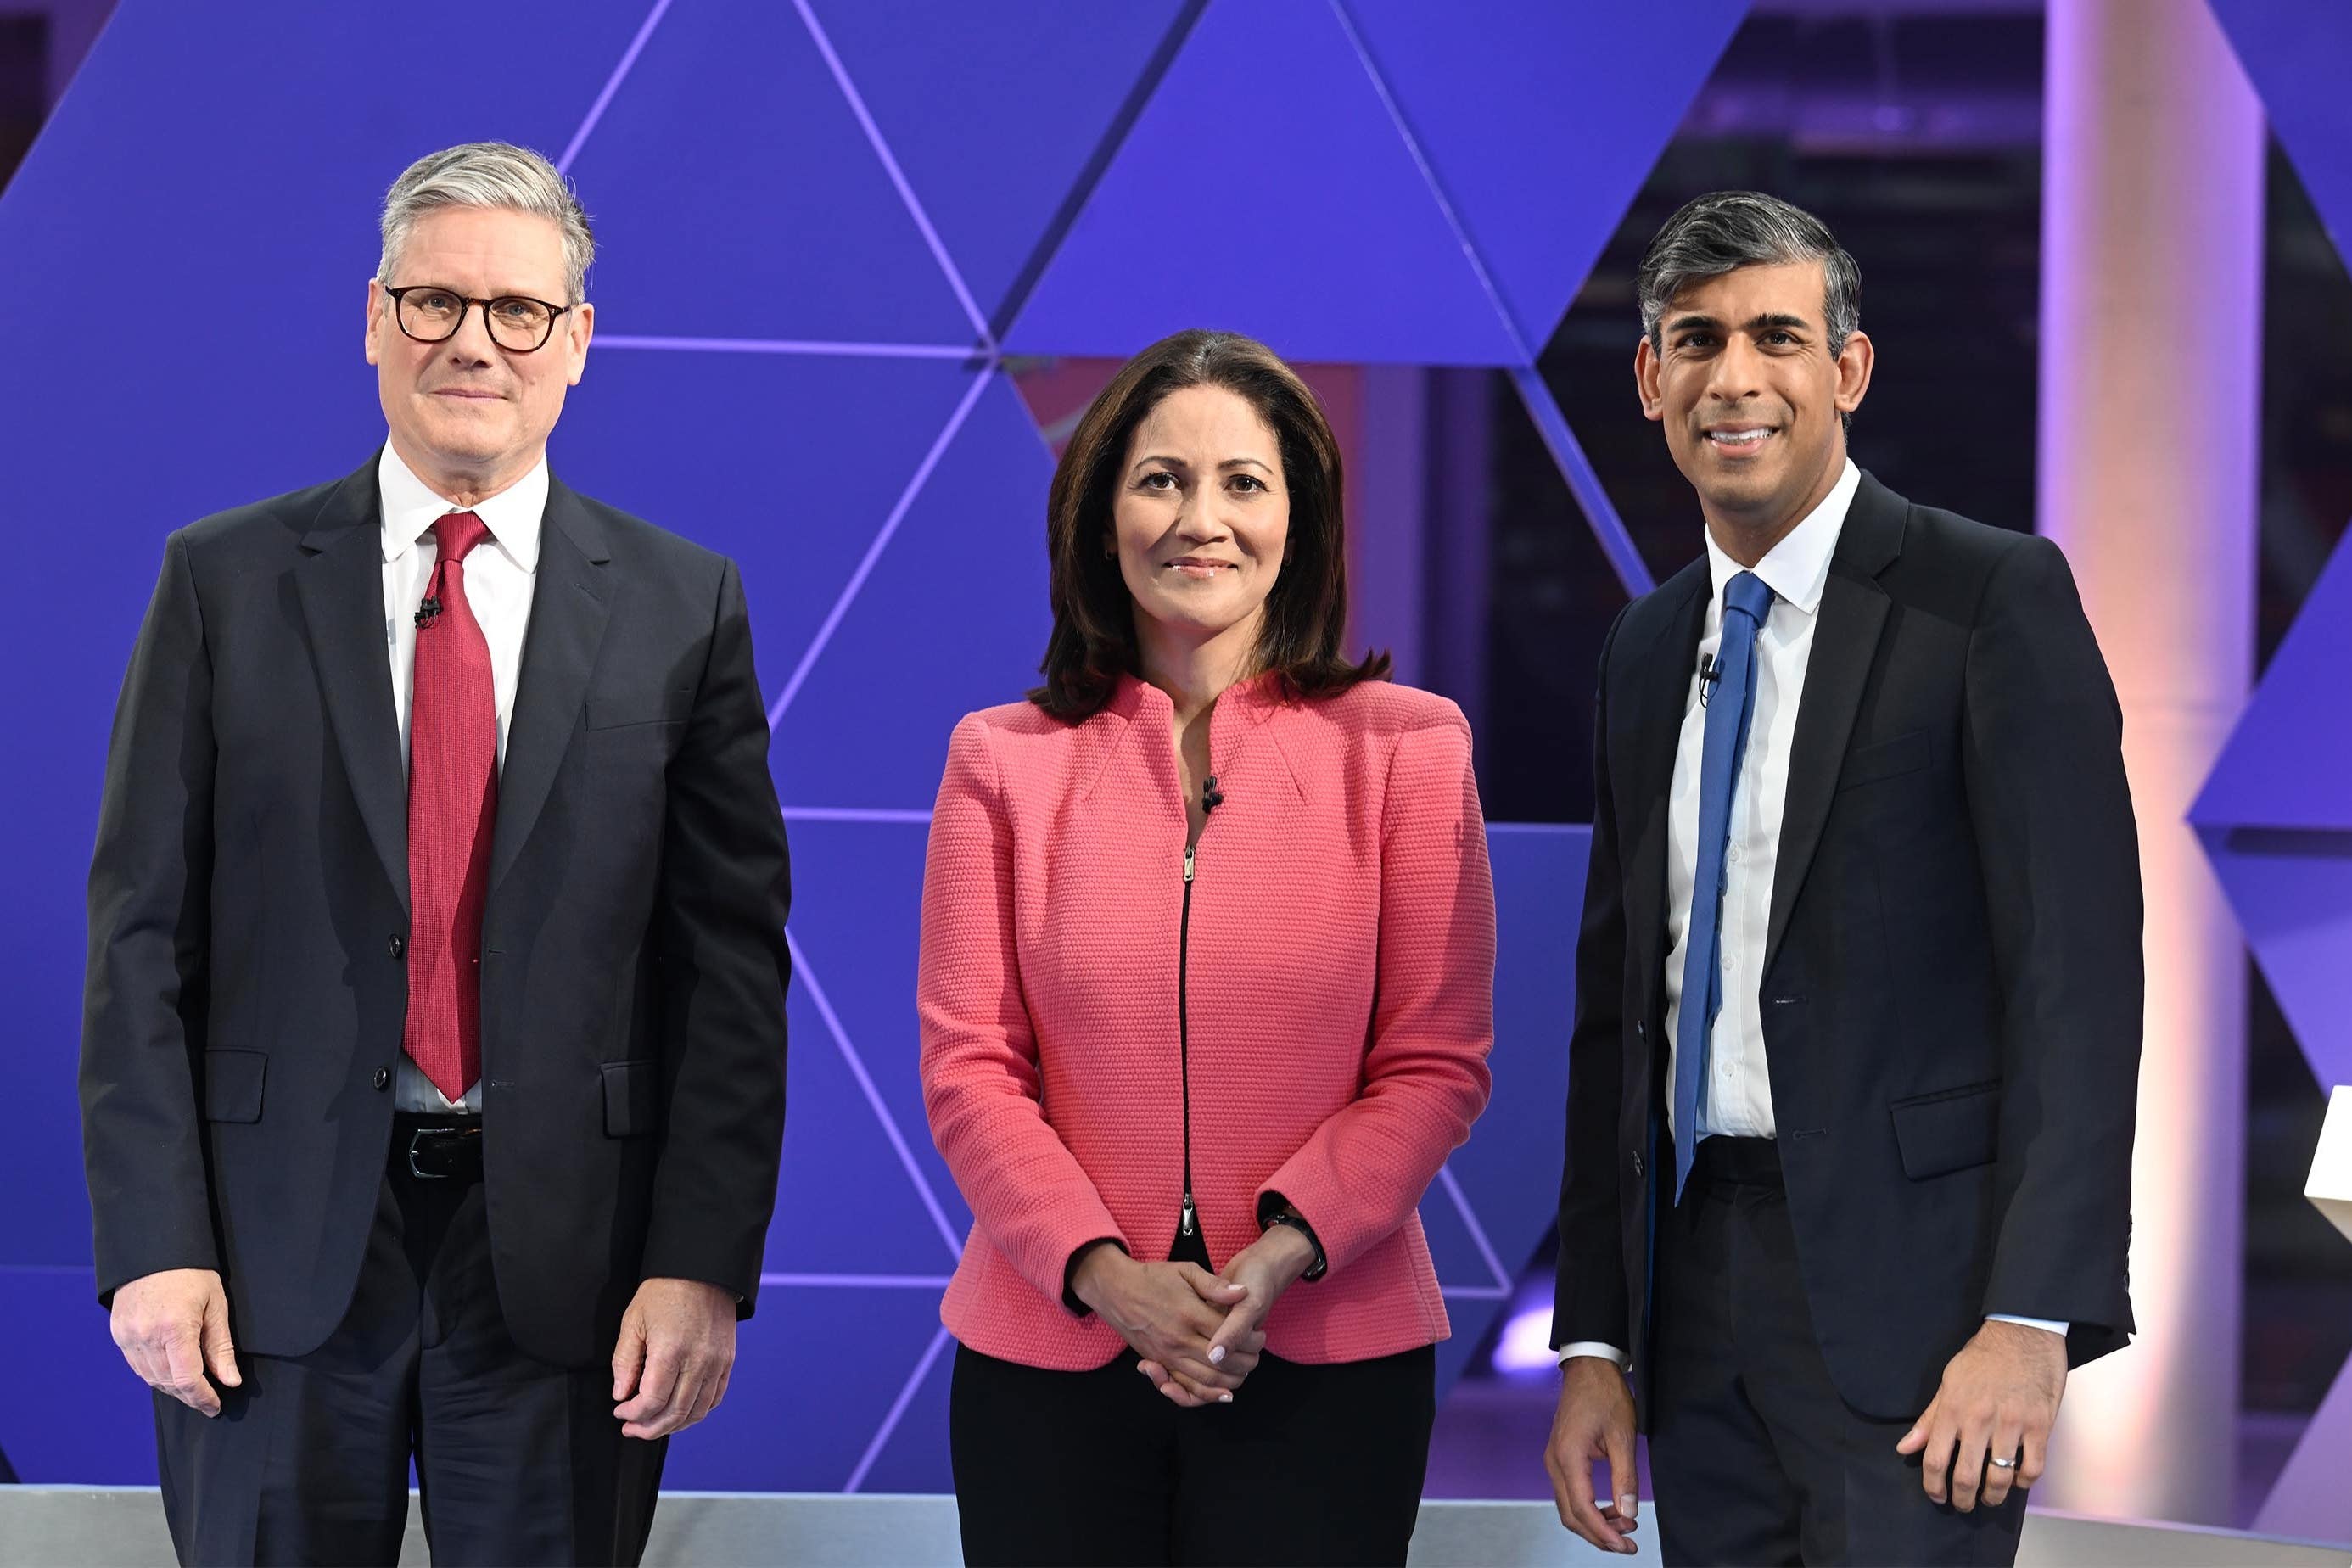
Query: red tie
{"type": "Point", "coordinates": [453, 803]}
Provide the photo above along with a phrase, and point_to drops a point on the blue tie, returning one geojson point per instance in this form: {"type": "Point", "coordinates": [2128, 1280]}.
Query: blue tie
{"type": "Point", "coordinates": [1746, 602]}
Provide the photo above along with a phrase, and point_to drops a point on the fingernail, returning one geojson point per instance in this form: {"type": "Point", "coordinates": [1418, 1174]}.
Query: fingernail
{"type": "Point", "coordinates": [1628, 1503]}
{"type": "Point", "coordinates": [1216, 1355]}
{"type": "Point", "coordinates": [1225, 1399]}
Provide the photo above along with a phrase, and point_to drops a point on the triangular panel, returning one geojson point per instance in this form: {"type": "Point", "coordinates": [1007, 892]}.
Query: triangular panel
{"type": "Point", "coordinates": [1541, 121]}
{"type": "Point", "coordinates": [952, 617]}
{"type": "Point", "coordinates": [2288, 764]}
{"type": "Point", "coordinates": [2298, 58]}
{"type": "Point", "coordinates": [788, 463]}
{"type": "Point", "coordinates": [2292, 893]}
{"type": "Point", "coordinates": [862, 883]}
{"type": "Point", "coordinates": [956, 94]}
{"type": "Point", "coordinates": [816, 1372]}
{"type": "Point", "coordinates": [735, 196]}
{"type": "Point", "coordinates": [834, 1143]}
{"type": "Point", "coordinates": [1264, 189]}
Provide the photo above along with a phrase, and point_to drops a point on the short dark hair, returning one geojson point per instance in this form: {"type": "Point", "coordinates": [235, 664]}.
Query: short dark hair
{"type": "Point", "coordinates": [1093, 641]}
{"type": "Point", "coordinates": [1725, 230]}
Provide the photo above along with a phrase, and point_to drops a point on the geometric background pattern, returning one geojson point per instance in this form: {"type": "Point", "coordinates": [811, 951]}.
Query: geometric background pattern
{"type": "Point", "coordinates": [2275, 814]}
{"type": "Point", "coordinates": [830, 230]}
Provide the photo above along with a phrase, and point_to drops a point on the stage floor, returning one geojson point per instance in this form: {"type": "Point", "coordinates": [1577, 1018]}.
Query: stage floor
{"type": "Point", "coordinates": [43, 1527]}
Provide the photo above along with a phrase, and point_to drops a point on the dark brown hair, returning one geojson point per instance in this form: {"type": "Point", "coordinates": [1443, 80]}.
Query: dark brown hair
{"type": "Point", "coordinates": [1305, 614]}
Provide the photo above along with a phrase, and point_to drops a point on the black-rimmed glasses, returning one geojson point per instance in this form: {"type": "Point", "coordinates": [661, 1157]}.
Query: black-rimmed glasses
{"type": "Point", "coordinates": [517, 322]}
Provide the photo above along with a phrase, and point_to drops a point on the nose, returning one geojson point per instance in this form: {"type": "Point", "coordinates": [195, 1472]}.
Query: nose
{"type": "Point", "coordinates": [1198, 523]}
{"type": "Point", "coordinates": [1737, 371]}
{"type": "Point", "coordinates": [472, 343]}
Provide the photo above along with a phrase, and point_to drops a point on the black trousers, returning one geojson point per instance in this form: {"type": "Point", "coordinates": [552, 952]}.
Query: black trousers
{"type": "Point", "coordinates": [1754, 1456]}
{"type": "Point", "coordinates": [518, 1461]}
{"type": "Point", "coordinates": [1307, 1465]}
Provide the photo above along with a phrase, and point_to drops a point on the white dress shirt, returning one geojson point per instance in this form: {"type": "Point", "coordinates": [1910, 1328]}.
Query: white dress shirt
{"type": "Point", "coordinates": [500, 573]}
{"type": "Point", "coordinates": [1736, 1100]}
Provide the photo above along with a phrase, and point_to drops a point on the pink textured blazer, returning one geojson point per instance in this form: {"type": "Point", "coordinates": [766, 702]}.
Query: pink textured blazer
{"type": "Point", "coordinates": [1336, 959]}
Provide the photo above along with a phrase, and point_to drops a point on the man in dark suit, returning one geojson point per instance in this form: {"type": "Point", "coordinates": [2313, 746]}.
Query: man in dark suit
{"type": "Point", "coordinates": [1858, 995]}
{"type": "Point", "coordinates": [433, 1059]}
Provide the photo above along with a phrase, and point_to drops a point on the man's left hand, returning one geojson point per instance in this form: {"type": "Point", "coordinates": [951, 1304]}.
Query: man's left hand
{"type": "Point", "coordinates": [677, 1351]}
{"type": "Point", "coordinates": [1998, 1399]}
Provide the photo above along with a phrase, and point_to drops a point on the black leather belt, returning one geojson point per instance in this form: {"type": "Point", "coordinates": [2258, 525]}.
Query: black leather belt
{"type": "Point", "coordinates": [438, 1148]}
{"type": "Point", "coordinates": [1737, 1163]}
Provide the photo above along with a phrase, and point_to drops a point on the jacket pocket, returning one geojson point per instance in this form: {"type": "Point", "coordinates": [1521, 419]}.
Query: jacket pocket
{"type": "Point", "coordinates": [232, 1085]}
{"type": "Point", "coordinates": [1948, 1131]}
{"type": "Point", "coordinates": [631, 1099]}
{"type": "Point", "coordinates": [1905, 754]}
{"type": "Point", "coordinates": [624, 709]}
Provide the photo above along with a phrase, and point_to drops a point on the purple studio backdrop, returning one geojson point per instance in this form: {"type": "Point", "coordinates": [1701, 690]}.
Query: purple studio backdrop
{"type": "Point", "coordinates": [826, 226]}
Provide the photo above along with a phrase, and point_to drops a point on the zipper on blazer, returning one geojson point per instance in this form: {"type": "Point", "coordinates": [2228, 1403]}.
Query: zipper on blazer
{"type": "Point", "coordinates": [1187, 1215]}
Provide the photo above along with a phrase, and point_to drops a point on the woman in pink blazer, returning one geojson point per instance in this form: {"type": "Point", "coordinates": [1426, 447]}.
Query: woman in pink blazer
{"type": "Point", "coordinates": [1206, 996]}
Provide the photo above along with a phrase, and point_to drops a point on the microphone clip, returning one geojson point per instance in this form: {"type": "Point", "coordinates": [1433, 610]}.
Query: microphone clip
{"type": "Point", "coordinates": [427, 612]}
{"type": "Point", "coordinates": [1212, 796]}
{"type": "Point", "coordinates": [1710, 670]}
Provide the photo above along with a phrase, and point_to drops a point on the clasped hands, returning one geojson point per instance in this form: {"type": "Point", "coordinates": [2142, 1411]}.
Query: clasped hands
{"type": "Point", "coordinates": [1199, 1334]}
{"type": "Point", "coordinates": [670, 1369]}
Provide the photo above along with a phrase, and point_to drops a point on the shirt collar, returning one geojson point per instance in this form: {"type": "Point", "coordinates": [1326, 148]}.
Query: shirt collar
{"type": "Point", "coordinates": [1797, 568]}
{"type": "Point", "coordinates": [411, 507]}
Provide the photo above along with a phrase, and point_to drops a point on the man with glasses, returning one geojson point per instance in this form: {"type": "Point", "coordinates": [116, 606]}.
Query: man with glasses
{"type": "Point", "coordinates": [432, 1063]}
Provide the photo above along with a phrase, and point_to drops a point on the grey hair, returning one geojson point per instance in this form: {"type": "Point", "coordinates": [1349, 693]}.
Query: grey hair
{"type": "Point", "coordinates": [496, 174]}
{"type": "Point", "coordinates": [1725, 230]}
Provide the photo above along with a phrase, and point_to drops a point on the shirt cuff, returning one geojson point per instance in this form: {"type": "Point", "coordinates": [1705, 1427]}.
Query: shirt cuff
{"type": "Point", "coordinates": [2050, 1324]}
{"type": "Point", "coordinates": [1608, 1353]}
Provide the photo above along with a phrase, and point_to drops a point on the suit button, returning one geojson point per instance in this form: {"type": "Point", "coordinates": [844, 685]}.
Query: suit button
{"type": "Point", "coordinates": [383, 1077]}
{"type": "Point", "coordinates": [394, 945]}
{"type": "Point", "coordinates": [1637, 1162]}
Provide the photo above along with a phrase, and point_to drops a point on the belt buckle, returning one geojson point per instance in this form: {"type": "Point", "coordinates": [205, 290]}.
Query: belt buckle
{"type": "Point", "coordinates": [416, 1141]}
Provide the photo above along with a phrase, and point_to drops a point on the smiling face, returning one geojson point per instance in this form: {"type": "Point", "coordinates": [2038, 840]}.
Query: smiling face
{"type": "Point", "coordinates": [469, 417]}
{"type": "Point", "coordinates": [1201, 517]}
{"type": "Point", "coordinates": [1751, 397]}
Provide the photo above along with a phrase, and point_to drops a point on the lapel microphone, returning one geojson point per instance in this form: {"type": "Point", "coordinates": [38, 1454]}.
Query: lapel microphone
{"type": "Point", "coordinates": [1212, 796]}
{"type": "Point", "coordinates": [1709, 672]}
{"type": "Point", "coordinates": [427, 612]}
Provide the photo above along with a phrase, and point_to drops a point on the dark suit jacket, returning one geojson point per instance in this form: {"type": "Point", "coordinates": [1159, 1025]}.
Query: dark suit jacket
{"type": "Point", "coordinates": [248, 905]}
{"type": "Point", "coordinates": [1952, 982]}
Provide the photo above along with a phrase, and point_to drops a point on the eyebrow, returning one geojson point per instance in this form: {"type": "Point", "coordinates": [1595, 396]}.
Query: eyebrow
{"type": "Point", "coordinates": [1175, 462]}
{"type": "Point", "coordinates": [1771, 320]}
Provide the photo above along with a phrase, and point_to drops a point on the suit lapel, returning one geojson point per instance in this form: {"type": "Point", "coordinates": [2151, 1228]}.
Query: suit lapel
{"type": "Point", "coordinates": [1853, 613]}
{"type": "Point", "coordinates": [568, 609]}
{"type": "Point", "coordinates": [1660, 691]}
{"type": "Point", "coordinates": [341, 586]}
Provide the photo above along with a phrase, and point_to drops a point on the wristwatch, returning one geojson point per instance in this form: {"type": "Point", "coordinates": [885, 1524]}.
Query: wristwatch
{"type": "Point", "coordinates": [1296, 1222]}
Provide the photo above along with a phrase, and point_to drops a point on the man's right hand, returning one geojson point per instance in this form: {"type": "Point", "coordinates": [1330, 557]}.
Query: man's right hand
{"type": "Point", "coordinates": [1168, 1313]}
{"type": "Point", "coordinates": [172, 1328]}
{"type": "Point", "coordinates": [1595, 1421]}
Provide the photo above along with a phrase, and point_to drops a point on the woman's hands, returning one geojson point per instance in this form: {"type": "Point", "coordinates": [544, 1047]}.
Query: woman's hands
{"type": "Point", "coordinates": [1209, 1370]}
{"type": "Point", "coordinates": [1169, 1313]}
